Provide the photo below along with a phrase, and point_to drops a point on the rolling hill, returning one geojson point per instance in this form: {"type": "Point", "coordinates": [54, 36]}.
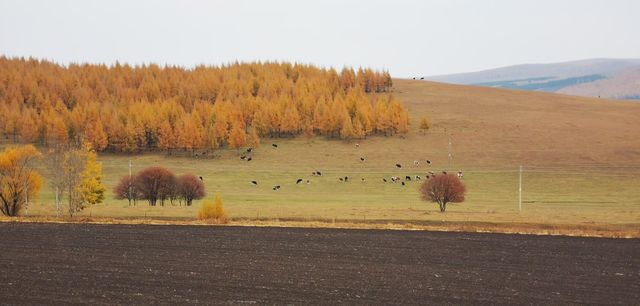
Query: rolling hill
{"type": "Point", "coordinates": [607, 78]}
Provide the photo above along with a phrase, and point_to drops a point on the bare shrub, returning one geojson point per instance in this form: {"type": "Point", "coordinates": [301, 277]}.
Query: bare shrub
{"type": "Point", "coordinates": [443, 189]}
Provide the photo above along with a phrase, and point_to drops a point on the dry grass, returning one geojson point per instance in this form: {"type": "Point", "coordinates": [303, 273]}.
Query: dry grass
{"type": "Point", "coordinates": [607, 231]}
{"type": "Point", "coordinates": [581, 159]}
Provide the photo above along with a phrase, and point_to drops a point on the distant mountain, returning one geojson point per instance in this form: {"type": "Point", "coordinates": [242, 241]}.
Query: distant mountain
{"type": "Point", "coordinates": [610, 78]}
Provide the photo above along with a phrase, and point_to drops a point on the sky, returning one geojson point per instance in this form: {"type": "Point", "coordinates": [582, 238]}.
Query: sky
{"type": "Point", "coordinates": [407, 38]}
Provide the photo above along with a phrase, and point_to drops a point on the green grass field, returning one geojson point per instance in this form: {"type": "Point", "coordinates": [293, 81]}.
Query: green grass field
{"type": "Point", "coordinates": [581, 162]}
{"type": "Point", "coordinates": [551, 195]}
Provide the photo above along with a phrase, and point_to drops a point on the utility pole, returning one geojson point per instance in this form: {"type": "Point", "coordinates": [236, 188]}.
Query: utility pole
{"type": "Point", "coordinates": [520, 191]}
{"type": "Point", "coordinates": [450, 154]}
{"type": "Point", "coordinates": [129, 182]}
{"type": "Point", "coordinates": [26, 198]}
{"type": "Point", "coordinates": [57, 204]}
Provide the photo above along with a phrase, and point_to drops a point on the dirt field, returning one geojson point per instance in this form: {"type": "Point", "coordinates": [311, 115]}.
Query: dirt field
{"type": "Point", "coordinates": [123, 264]}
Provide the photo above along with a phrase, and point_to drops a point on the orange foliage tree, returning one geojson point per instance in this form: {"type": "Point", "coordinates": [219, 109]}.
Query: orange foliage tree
{"type": "Point", "coordinates": [122, 108]}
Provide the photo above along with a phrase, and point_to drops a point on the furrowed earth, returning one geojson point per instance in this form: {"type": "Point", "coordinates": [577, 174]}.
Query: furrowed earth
{"type": "Point", "coordinates": [151, 264]}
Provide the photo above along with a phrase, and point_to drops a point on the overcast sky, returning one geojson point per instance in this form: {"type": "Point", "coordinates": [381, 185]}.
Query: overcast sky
{"type": "Point", "coordinates": [409, 38]}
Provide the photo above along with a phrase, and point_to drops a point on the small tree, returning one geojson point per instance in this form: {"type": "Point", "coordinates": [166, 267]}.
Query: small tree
{"type": "Point", "coordinates": [213, 210]}
{"type": "Point", "coordinates": [190, 188]}
{"type": "Point", "coordinates": [442, 189]}
{"type": "Point", "coordinates": [18, 179]}
{"type": "Point", "coordinates": [91, 189]}
{"type": "Point", "coordinates": [424, 124]}
{"type": "Point", "coordinates": [82, 177]}
{"type": "Point", "coordinates": [155, 183]}
{"type": "Point", "coordinates": [126, 189]}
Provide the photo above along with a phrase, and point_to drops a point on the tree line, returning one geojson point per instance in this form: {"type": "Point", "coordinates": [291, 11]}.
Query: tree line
{"type": "Point", "coordinates": [122, 108]}
{"type": "Point", "coordinates": [158, 185]}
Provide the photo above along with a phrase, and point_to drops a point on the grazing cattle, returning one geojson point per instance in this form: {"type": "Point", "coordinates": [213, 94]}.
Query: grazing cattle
{"type": "Point", "coordinates": [422, 78]}
{"type": "Point", "coordinates": [416, 163]}
{"type": "Point", "coordinates": [460, 175]}
{"type": "Point", "coordinates": [346, 178]}
{"type": "Point", "coordinates": [444, 172]}
{"type": "Point", "coordinates": [414, 78]}
{"type": "Point", "coordinates": [398, 166]}
{"type": "Point", "coordinates": [362, 179]}
{"type": "Point", "coordinates": [429, 162]}
{"type": "Point", "coordinates": [407, 178]}
{"type": "Point", "coordinates": [298, 181]}
{"type": "Point", "coordinates": [249, 150]}
{"type": "Point", "coordinates": [384, 179]}
{"type": "Point", "coordinates": [201, 178]}
{"type": "Point", "coordinates": [395, 179]}
{"type": "Point", "coordinates": [362, 159]}
{"type": "Point", "coordinates": [403, 184]}
{"type": "Point", "coordinates": [341, 179]}
{"type": "Point", "coordinates": [254, 183]}
{"type": "Point", "coordinates": [357, 145]}
{"type": "Point", "coordinates": [276, 187]}
{"type": "Point", "coordinates": [427, 177]}
{"type": "Point", "coordinates": [432, 173]}
{"type": "Point", "coordinates": [243, 157]}
{"type": "Point", "coordinates": [274, 145]}
{"type": "Point", "coordinates": [249, 159]}
{"type": "Point", "coordinates": [418, 178]}
{"type": "Point", "coordinates": [308, 182]}
{"type": "Point", "coordinates": [196, 155]}
{"type": "Point", "coordinates": [319, 173]}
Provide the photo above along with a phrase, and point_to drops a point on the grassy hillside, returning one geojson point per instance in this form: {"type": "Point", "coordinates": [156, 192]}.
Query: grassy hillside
{"type": "Point", "coordinates": [581, 158]}
{"type": "Point", "coordinates": [610, 78]}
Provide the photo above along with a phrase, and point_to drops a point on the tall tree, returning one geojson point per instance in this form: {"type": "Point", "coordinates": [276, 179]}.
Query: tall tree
{"type": "Point", "coordinates": [19, 181]}
{"type": "Point", "coordinates": [237, 138]}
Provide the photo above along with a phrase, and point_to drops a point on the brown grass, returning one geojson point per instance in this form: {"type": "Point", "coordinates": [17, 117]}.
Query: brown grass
{"type": "Point", "coordinates": [608, 231]}
{"type": "Point", "coordinates": [497, 127]}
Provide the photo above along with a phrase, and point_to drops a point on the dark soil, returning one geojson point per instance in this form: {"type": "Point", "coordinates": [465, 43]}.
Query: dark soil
{"type": "Point", "coordinates": [147, 264]}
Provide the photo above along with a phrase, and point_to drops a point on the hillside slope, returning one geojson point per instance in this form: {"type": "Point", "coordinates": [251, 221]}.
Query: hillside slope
{"type": "Point", "coordinates": [499, 126]}
{"type": "Point", "coordinates": [611, 78]}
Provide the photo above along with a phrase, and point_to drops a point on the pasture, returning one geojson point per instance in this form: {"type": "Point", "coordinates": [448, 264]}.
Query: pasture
{"type": "Point", "coordinates": [581, 165]}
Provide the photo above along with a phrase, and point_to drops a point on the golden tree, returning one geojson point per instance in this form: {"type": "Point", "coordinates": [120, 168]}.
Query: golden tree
{"type": "Point", "coordinates": [237, 138]}
{"type": "Point", "coordinates": [19, 181]}
{"type": "Point", "coordinates": [424, 124]}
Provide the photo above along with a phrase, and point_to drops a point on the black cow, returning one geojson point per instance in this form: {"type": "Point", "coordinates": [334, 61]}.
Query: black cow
{"type": "Point", "coordinates": [254, 183]}
{"type": "Point", "coordinates": [398, 166]}
{"type": "Point", "coordinates": [274, 145]}
{"type": "Point", "coordinates": [298, 181]}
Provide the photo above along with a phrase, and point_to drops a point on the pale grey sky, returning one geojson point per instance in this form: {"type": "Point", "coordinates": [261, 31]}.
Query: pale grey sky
{"type": "Point", "coordinates": [409, 38]}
